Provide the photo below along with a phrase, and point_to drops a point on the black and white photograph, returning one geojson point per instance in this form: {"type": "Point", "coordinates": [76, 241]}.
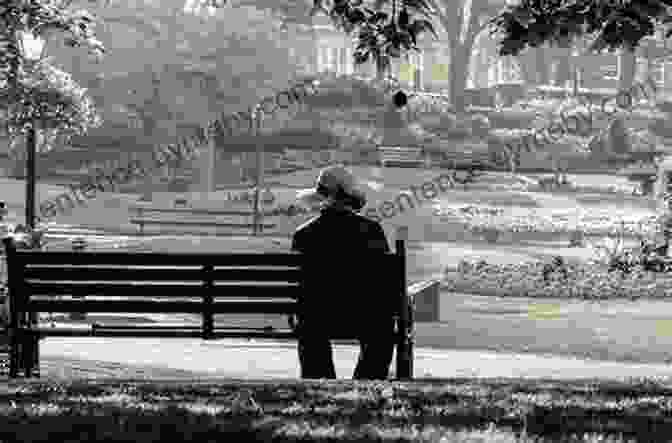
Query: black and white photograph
{"type": "Point", "coordinates": [336, 221]}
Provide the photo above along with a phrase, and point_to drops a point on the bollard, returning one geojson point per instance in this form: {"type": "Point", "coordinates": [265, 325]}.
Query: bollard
{"type": "Point", "coordinates": [78, 244]}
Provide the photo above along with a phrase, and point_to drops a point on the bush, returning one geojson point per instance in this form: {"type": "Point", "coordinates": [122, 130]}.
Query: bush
{"type": "Point", "coordinates": [509, 119]}
{"type": "Point", "coordinates": [622, 278]}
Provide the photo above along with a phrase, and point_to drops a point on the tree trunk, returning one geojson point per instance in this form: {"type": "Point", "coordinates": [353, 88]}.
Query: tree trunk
{"type": "Point", "coordinates": [381, 71]}
{"type": "Point", "coordinates": [534, 67]}
{"type": "Point", "coordinates": [543, 68]}
{"type": "Point", "coordinates": [628, 65]}
{"type": "Point", "coordinates": [565, 67]}
{"type": "Point", "coordinates": [459, 70]}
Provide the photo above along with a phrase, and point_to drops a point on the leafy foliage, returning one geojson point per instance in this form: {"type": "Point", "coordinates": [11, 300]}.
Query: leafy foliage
{"type": "Point", "coordinates": [43, 17]}
{"type": "Point", "coordinates": [42, 91]}
{"type": "Point", "coordinates": [384, 30]}
{"type": "Point", "coordinates": [181, 69]}
{"type": "Point", "coordinates": [50, 95]}
{"type": "Point", "coordinates": [611, 24]}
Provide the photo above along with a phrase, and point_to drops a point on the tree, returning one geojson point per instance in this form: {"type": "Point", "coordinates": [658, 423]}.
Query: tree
{"type": "Point", "coordinates": [610, 24]}
{"type": "Point", "coordinates": [389, 29]}
{"type": "Point", "coordinates": [177, 69]}
{"type": "Point", "coordinates": [462, 21]}
{"type": "Point", "coordinates": [384, 29]}
{"type": "Point", "coordinates": [41, 91]}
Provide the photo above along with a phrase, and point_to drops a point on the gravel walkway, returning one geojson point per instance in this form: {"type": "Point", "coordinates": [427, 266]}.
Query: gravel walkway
{"type": "Point", "coordinates": [261, 360]}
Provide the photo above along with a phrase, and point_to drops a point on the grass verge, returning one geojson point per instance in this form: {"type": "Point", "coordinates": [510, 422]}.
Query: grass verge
{"type": "Point", "coordinates": [456, 410]}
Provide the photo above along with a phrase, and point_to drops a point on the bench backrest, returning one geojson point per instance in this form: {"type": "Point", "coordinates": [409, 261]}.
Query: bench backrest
{"type": "Point", "coordinates": [140, 282]}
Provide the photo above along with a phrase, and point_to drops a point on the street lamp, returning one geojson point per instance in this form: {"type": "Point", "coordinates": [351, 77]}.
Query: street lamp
{"type": "Point", "coordinates": [31, 47]}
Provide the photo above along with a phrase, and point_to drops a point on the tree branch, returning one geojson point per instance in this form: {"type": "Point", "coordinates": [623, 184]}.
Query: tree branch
{"type": "Point", "coordinates": [450, 18]}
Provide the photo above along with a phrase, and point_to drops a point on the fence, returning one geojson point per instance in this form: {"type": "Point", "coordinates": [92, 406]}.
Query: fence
{"type": "Point", "coordinates": [401, 156]}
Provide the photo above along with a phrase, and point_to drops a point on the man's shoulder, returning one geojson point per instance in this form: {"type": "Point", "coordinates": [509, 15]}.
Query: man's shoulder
{"type": "Point", "coordinates": [306, 226]}
{"type": "Point", "coordinates": [368, 223]}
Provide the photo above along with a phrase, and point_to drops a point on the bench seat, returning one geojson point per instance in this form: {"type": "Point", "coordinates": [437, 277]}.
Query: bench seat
{"type": "Point", "coordinates": [204, 223]}
{"type": "Point", "coordinates": [141, 218]}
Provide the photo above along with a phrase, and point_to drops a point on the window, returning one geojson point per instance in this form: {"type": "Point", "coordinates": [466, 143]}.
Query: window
{"type": "Point", "coordinates": [440, 72]}
{"type": "Point", "coordinates": [609, 69]}
{"type": "Point", "coordinates": [406, 72]}
{"type": "Point", "coordinates": [323, 58]}
{"type": "Point", "coordinates": [658, 73]}
{"type": "Point", "coordinates": [341, 61]}
{"type": "Point", "coordinates": [510, 71]}
{"type": "Point", "coordinates": [640, 69]}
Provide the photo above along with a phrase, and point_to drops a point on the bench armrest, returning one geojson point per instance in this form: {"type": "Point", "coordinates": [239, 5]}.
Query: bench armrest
{"type": "Point", "coordinates": [418, 288]}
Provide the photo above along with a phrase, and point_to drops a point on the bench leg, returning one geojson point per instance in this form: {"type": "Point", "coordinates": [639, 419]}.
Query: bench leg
{"type": "Point", "coordinates": [36, 356]}
{"type": "Point", "coordinates": [27, 356]}
{"type": "Point", "coordinates": [14, 354]}
{"type": "Point", "coordinates": [31, 355]}
{"type": "Point", "coordinates": [405, 355]}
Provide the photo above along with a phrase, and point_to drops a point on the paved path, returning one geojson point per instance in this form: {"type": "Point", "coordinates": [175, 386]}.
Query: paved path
{"type": "Point", "coordinates": [250, 360]}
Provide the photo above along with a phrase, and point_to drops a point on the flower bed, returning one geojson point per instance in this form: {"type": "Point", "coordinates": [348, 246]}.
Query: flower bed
{"type": "Point", "coordinates": [589, 281]}
{"type": "Point", "coordinates": [481, 218]}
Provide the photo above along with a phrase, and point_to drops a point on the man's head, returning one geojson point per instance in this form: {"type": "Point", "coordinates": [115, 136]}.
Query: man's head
{"type": "Point", "coordinates": [336, 186]}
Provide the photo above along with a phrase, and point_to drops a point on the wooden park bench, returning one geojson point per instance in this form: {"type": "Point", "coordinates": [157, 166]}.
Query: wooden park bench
{"type": "Point", "coordinates": [142, 219]}
{"type": "Point", "coordinates": [203, 284]}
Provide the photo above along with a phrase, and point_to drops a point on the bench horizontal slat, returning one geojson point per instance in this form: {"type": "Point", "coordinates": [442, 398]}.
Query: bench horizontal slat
{"type": "Point", "coordinates": [176, 333]}
{"type": "Point", "coordinates": [146, 326]}
{"type": "Point", "coordinates": [189, 211]}
{"type": "Point", "coordinates": [161, 326]}
{"type": "Point", "coordinates": [153, 307]}
{"type": "Point", "coordinates": [198, 223]}
{"type": "Point", "coordinates": [131, 290]}
{"type": "Point", "coordinates": [276, 334]}
{"type": "Point", "coordinates": [157, 258]}
{"type": "Point", "coordinates": [69, 273]}
{"type": "Point", "coordinates": [58, 273]}
{"type": "Point", "coordinates": [258, 275]}
{"type": "Point", "coordinates": [64, 332]}
{"type": "Point", "coordinates": [37, 288]}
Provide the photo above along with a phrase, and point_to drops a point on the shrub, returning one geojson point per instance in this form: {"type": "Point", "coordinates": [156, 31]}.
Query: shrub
{"type": "Point", "coordinates": [51, 96]}
{"type": "Point", "coordinates": [626, 274]}
{"type": "Point", "coordinates": [577, 239]}
{"type": "Point", "coordinates": [480, 125]}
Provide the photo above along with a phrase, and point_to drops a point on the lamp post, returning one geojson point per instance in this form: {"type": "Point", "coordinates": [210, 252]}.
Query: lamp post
{"type": "Point", "coordinates": [257, 217]}
{"type": "Point", "coordinates": [31, 47]}
{"type": "Point", "coordinates": [576, 73]}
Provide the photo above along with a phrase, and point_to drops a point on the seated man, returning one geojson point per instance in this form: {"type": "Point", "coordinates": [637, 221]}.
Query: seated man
{"type": "Point", "coordinates": [344, 284]}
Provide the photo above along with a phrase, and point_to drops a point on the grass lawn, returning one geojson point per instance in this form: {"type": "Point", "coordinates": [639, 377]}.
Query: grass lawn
{"type": "Point", "coordinates": [454, 410]}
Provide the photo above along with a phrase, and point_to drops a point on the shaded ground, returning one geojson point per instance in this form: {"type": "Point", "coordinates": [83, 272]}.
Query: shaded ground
{"type": "Point", "coordinates": [455, 410]}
